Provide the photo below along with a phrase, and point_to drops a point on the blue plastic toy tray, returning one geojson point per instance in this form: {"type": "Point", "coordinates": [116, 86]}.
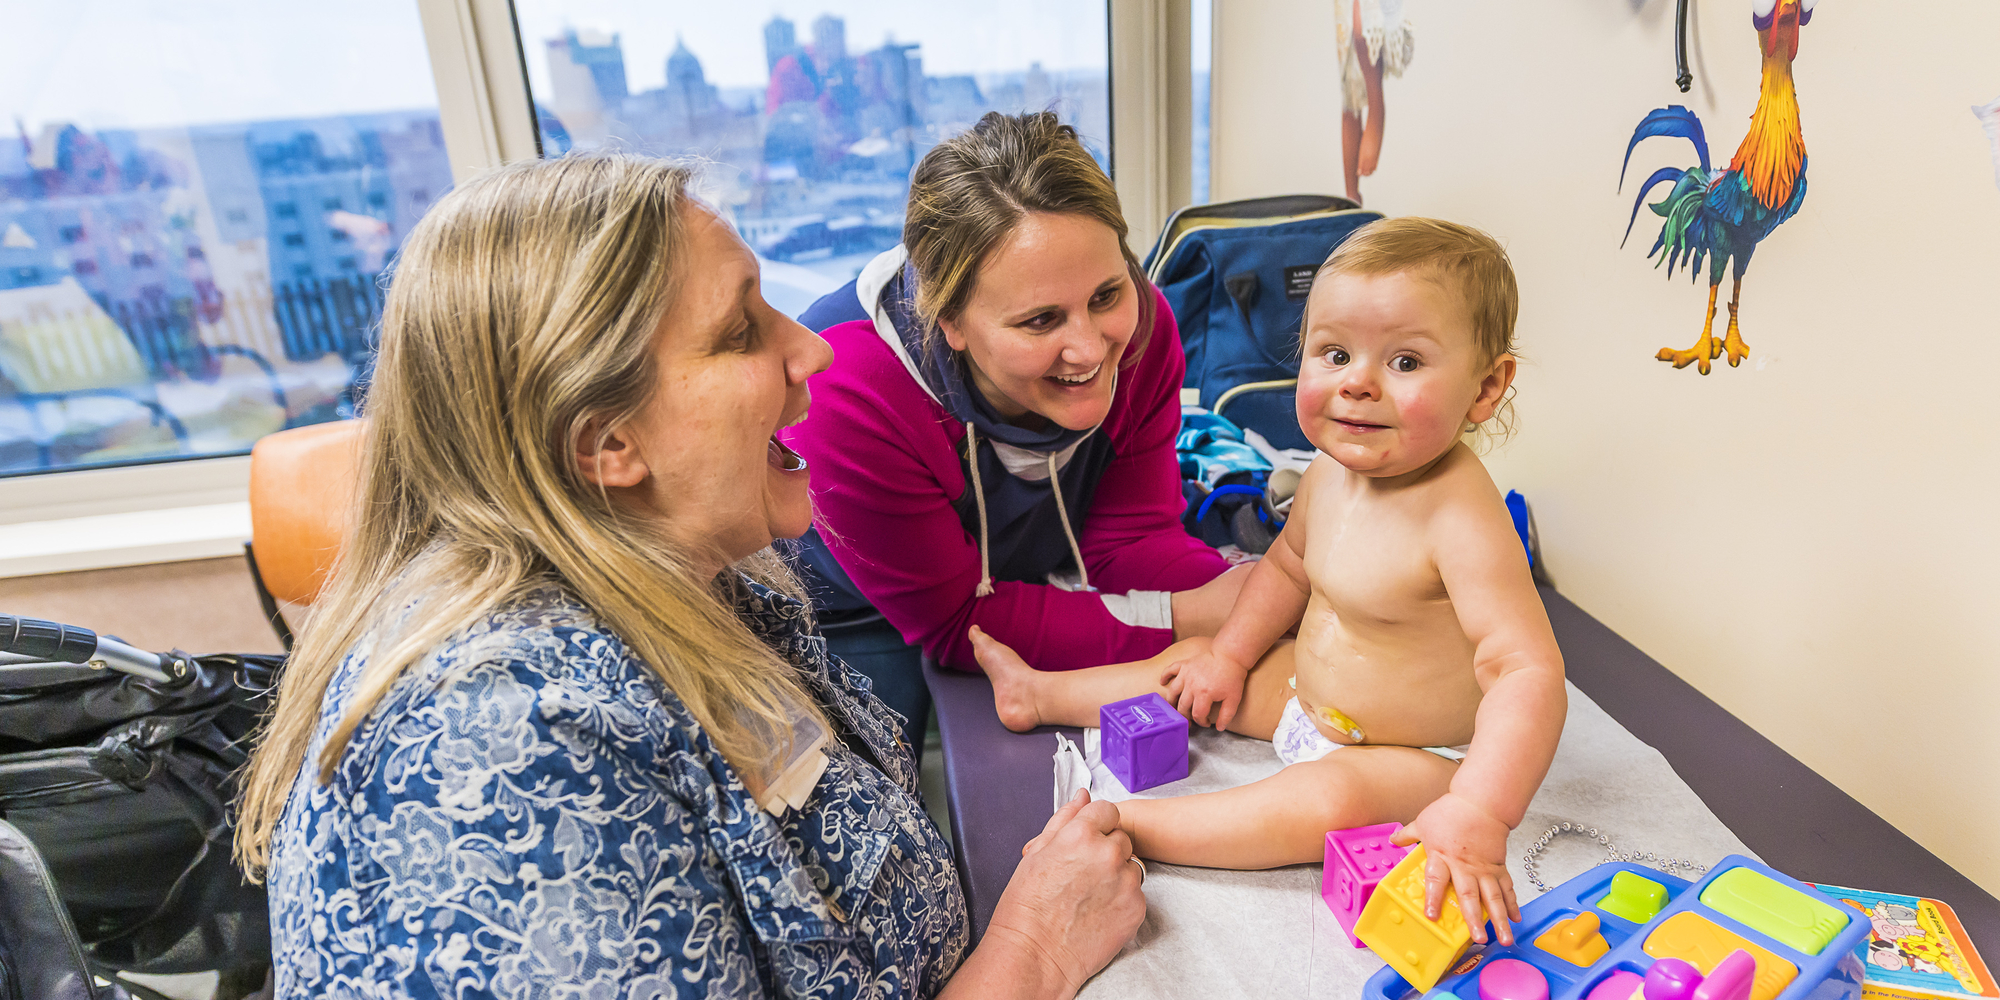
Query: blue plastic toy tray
{"type": "Point", "coordinates": [1832, 973]}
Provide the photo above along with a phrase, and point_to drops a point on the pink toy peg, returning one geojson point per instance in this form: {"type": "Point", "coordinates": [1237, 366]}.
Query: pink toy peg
{"type": "Point", "coordinates": [1512, 979]}
{"type": "Point", "coordinates": [1672, 979]}
{"type": "Point", "coordinates": [1730, 979]}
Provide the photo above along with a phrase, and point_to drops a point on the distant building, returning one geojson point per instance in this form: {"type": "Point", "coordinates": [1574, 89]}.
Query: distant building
{"type": "Point", "coordinates": [688, 91]}
{"type": "Point", "coordinates": [829, 40]}
{"type": "Point", "coordinates": [587, 83]}
{"type": "Point", "coordinates": [780, 40]}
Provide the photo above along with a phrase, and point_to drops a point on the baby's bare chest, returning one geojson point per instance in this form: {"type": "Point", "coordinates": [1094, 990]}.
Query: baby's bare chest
{"type": "Point", "coordinates": [1372, 565]}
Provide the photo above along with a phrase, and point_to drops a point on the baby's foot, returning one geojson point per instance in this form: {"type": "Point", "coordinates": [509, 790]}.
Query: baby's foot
{"type": "Point", "coordinates": [1014, 681]}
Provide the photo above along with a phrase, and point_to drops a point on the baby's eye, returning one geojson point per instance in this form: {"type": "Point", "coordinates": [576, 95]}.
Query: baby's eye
{"type": "Point", "coordinates": [1336, 356]}
{"type": "Point", "coordinates": [1405, 363]}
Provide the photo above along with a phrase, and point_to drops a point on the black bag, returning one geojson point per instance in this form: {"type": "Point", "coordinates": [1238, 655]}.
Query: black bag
{"type": "Point", "coordinates": [124, 785]}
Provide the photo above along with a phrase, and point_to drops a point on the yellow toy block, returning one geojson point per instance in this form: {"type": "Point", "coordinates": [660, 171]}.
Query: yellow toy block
{"type": "Point", "coordinates": [1393, 925]}
{"type": "Point", "coordinates": [1702, 943]}
{"type": "Point", "coordinates": [1577, 940]}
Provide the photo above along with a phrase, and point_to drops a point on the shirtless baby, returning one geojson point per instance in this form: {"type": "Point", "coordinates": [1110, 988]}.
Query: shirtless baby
{"type": "Point", "coordinates": [1424, 685]}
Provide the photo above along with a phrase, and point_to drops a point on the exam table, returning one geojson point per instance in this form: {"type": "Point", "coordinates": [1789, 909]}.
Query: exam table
{"type": "Point", "coordinates": [999, 785]}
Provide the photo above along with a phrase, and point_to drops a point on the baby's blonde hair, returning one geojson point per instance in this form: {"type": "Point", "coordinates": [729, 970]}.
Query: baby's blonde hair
{"type": "Point", "coordinates": [1461, 258]}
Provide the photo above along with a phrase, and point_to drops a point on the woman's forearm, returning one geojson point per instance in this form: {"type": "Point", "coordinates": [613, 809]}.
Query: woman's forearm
{"type": "Point", "coordinates": [1009, 965]}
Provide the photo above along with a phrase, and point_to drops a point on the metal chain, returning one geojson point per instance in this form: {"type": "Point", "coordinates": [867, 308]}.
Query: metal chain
{"type": "Point", "coordinates": [1531, 861]}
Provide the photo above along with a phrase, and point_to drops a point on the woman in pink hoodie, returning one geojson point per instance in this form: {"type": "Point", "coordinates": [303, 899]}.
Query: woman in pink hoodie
{"type": "Point", "coordinates": [1012, 341]}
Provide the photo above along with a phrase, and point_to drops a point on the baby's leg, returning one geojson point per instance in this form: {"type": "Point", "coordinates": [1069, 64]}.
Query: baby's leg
{"type": "Point", "coordinates": [1283, 819]}
{"type": "Point", "coordinates": [1025, 697]}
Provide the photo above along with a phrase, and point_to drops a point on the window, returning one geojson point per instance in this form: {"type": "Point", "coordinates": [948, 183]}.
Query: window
{"type": "Point", "coordinates": [225, 126]}
{"type": "Point", "coordinates": [813, 117]}
{"type": "Point", "coordinates": [1200, 54]}
{"type": "Point", "coordinates": [198, 335]}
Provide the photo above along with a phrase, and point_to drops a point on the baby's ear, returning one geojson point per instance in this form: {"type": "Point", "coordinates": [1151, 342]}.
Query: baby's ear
{"type": "Point", "coordinates": [1492, 389]}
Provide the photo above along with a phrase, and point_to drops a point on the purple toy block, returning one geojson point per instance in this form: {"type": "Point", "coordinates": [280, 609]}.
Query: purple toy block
{"type": "Point", "coordinates": [1357, 859]}
{"type": "Point", "coordinates": [1144, 742]}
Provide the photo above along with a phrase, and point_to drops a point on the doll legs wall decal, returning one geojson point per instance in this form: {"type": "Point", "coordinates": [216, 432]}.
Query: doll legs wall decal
{"type": "Point", "coordinates": [1989, 116]}
{"type": "Point", "coordinates": [1376, 40]}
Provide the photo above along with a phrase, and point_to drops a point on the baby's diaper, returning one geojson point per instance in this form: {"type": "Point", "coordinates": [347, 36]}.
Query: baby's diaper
{"type": "Point", "coordinates": [1298, 740]}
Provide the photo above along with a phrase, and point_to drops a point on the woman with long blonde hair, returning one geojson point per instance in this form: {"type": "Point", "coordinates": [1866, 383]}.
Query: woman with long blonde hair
{"type": "Point", "coordinates": [560, 724]}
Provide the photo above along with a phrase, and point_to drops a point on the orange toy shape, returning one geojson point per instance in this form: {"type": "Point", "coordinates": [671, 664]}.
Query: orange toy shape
{"type": "Point", "coordinates": [1704, 944]}
{"type": "Point", "coordinates": [1576, 940]}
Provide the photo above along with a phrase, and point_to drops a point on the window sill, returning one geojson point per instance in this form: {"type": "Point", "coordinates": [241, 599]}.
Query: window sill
{"type": "Point", "coordinates": [130, 538]}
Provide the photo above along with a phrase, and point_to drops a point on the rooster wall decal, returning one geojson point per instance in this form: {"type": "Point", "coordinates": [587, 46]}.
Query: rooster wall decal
{"type": "Point", "coordinates": [1724, 216]}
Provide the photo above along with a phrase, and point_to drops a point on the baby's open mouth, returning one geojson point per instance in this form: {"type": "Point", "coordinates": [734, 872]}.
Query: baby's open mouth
{"type": "Point", "coordinates": [1359, 426]}
{"type": "Point", "coordinates": [1080, 378]}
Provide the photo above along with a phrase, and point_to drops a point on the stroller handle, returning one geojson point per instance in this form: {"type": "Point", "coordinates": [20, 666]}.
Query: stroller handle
{"type": "Point", "coordinates": [27, 640]}
{"type": "Point", "coordinates": [46, 640]}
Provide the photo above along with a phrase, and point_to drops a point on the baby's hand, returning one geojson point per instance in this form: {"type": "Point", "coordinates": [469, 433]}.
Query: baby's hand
{"type": "Point", "coordinates": [1466, 848]}
{"type": "Point", "coordinates": [1203, 680]}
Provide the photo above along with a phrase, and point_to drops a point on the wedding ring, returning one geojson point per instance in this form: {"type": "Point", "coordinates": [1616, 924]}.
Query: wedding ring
{"type": "Point", "coordinates": [1142, 867]}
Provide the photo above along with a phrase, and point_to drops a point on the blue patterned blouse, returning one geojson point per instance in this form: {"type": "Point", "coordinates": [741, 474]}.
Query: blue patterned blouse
{"type": "Point", "coordinates": [528, 813]}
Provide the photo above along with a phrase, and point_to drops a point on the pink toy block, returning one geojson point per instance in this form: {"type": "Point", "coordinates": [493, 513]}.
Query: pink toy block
{"type": "Point", "coordinates": [1356, 861]}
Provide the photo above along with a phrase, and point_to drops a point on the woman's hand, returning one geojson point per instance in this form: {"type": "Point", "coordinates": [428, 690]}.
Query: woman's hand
{"type": "Point", "coordinates": [1202, 611]}
{"type": "Point", "coordinates": [1073, 902]}
{"type": "Point", "coordinates": [1465, 849]}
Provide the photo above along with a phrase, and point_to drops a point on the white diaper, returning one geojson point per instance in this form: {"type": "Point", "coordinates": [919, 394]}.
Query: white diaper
{"type": "Point", "coordinates": [1297, 740]}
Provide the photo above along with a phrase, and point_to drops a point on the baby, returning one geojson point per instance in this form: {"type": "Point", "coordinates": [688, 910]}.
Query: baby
{"type": "Point", "coordinates": [1423, 655]}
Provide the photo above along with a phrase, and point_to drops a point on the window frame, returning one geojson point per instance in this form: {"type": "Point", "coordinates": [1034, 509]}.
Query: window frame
{"type": "Point", "coordinates": [485, 113]}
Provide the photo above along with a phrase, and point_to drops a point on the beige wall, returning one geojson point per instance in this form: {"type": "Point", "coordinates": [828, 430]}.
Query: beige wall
{"type": "Point", "coordinates": [1812, 539]}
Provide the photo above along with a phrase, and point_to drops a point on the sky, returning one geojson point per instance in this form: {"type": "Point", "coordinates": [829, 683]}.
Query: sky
{"type": "Point", "coordinates": [148, 63]}
{"type": "Point", "coordinates": [140, 63]}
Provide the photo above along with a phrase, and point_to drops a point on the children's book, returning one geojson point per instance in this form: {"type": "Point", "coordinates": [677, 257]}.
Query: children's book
{"type": "Point", "coordinates": [1917, 949]}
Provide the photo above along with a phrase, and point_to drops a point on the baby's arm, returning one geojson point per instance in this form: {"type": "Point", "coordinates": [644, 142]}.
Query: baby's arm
{"type": "Point", "coordinates": [1271, 604]}
{"type": "Point", "coordinates": [1519, 721]}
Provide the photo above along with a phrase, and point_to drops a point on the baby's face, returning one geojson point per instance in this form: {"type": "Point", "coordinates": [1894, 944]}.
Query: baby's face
{"type": "Point", "coordinates": [1390, 374]}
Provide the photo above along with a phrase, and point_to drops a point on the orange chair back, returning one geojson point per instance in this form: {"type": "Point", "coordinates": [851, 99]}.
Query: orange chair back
{"type": "Point", "coordinates": [302, 482]}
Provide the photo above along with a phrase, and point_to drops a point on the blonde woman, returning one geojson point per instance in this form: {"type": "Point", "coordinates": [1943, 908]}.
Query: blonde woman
{"type": "Point", "coordinates": [560, 726]}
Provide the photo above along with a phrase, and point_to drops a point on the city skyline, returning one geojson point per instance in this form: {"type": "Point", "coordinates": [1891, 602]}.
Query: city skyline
{"type": "Point", "coordinates": [177, 288]}
{"type": "Point", "coordinates": [959, 38]}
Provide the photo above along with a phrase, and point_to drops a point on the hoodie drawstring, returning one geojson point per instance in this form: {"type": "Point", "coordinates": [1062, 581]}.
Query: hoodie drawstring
{"type": "Point", "coordinates": [979, 497]}
{"type": "Point", "coordinates": [1069, 533]}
